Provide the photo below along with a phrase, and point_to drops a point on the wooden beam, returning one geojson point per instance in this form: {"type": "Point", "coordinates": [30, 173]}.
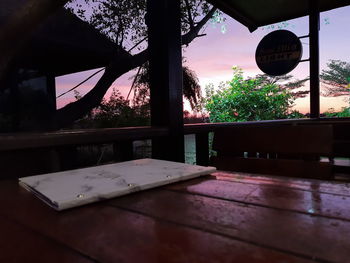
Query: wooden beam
{"type": "Point", "coordinates": [51, 96]}
{"type": "Point", "coordinates": [165, 58]}
{"type": "Point", "coordinates": [314, 26]}
{"type": "Point", "coordinates": [22, 141]}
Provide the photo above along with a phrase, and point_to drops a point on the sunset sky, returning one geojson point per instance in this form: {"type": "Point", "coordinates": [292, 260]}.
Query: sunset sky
{"type": "Point", "coordinates": [213, 56]}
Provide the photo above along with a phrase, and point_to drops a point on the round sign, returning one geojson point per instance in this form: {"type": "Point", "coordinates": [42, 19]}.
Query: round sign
{"type": "Point", "coordinates": [278, 53]}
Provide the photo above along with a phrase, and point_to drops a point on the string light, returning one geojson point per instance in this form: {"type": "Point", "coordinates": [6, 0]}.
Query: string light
{"type": "Point", "coordinates": [285, 24]}
{"type": "Point", "coordinates": [218, 19]}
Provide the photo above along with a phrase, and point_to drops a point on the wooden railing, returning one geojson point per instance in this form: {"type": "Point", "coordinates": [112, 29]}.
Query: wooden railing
{"type": "Point", "coordinates": [341, 131]}
{"type": "Point", "coordinates": [77, 137]}
{"type": "Point", "coordinates": [54, 143]}
{"type": "Point", "coordinates": [33, 153]}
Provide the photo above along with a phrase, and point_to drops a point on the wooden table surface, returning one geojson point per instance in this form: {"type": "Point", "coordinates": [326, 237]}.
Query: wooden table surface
{"type": "Point", "coordinates": [226, 217]}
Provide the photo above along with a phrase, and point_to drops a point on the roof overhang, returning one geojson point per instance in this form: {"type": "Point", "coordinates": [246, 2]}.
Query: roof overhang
{"type": "Point", "coordinates": [65, 44]}
{"type": "Point", "coordinates": [62, 44]}
{"type": "Point", "coordinates": [256, 13]}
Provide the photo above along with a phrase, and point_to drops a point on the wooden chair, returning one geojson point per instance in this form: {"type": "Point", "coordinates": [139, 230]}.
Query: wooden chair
{"type": "Point", "coordinates": [277, 150]}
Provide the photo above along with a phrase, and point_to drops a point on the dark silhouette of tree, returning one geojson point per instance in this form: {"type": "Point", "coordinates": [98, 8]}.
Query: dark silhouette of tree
{"type": "Point", "coordinates": [191, 88]}
{"type": "Point", "coordinates": [123, 21]}
{"type": "Point", "coordinates": [116, 111]}
{"type": "Point", "coordinates": [286, 82]}
{"type": "Point", "coordinates": [336, 78]}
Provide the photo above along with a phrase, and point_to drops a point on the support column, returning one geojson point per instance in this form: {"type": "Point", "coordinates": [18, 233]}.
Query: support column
{"type": "Point", "coordinates": [51, 97]}
{"type": "Point", "coordinates": [165, 59]}
{"type": "Point", "coordinates": [314, 27]}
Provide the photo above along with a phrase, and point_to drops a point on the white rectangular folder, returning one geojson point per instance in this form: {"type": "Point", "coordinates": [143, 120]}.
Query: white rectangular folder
{"type": "Point", "coordinates": [73, 188]}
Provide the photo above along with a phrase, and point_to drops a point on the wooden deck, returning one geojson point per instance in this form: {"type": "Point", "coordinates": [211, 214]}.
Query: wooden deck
{"type": "Point", "coordinates": [226, 217]}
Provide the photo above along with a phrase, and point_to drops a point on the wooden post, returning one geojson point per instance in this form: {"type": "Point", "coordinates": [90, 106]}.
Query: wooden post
{"type": "Point", "coordinates": [165, 59]}
{"type": "Point", "coordinates": [123, 151]}
{"type": "Point", "coordinates": [54, 159]}
{"type": "Point", "coordinates": [202, 148]}
{"type": "Point", "coordinates": [51, 97]}
{"type": "Point", "coordinates": [14, 99]}
{"type": "Point", "coordinates": [314, 26]}
{"type": "Point", "coordinates": [51, 91]}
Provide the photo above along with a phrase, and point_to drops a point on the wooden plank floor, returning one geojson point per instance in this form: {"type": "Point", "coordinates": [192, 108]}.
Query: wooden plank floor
{"type": "Point", "coordinates": [227, 217]}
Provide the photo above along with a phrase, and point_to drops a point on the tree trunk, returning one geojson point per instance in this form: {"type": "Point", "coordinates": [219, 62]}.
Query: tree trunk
{"type": "Point", "coordinates": [78, 109]}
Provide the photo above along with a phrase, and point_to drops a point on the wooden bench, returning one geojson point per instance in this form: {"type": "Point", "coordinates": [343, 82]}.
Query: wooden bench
{"type": "Point", "coordinates": [278, 150]}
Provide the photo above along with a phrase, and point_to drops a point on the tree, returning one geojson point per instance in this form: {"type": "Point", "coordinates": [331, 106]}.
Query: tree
{"type": "Point", "coordinates": [191, 88]}
{"type": "Point", "coordinates": [286, 82]}
{"type": "Point", "coordinates": [344, 112]}
{"type": "Point", "coordinates": [120, 112]}
{"type": "Point", "coordinates": [115, 112]}
{"type": "Point", "coordinates": [123, 21]}
{"type": "Point", "coordinates": [247, 100]}
{"type": "Point", "coordinates": [336, 78]}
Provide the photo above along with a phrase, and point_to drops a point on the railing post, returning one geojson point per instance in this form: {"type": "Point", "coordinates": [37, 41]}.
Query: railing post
{"type": "Point", "coordinates": [123, 151]}
{"type": "Point", "coordinates": [202, 148]}
{"type": "Point", "coordinates": [165, 59]}
{"type": "Point", "coordinates": [68, 156]}
{"type": "Point", "coordinates": [55, 162]}
{"type": "Point", "coordinates": [314, 27]}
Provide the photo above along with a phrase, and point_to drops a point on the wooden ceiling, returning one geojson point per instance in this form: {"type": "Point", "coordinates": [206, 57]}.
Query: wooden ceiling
{"type": "Point", "coordinates": [256, 13]}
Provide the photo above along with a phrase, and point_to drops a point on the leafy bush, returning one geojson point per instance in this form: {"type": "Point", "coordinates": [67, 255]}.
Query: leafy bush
{"type": "Point", "coordinates": [295, 115]}
{"type": "Point", "coordinates": [345, 112]}
{"type": "Point", "coordinates": [247, 100]}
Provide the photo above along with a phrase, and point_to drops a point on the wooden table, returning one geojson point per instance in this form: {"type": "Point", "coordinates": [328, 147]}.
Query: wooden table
{"type": "Point", "coordinates": [226, 217]}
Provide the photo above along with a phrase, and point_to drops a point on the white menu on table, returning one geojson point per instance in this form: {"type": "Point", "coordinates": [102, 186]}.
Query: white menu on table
{"type": "Point", "coordinates": [73, 188]}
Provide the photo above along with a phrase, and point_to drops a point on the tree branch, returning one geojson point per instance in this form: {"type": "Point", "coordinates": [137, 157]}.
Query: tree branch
{"type": "Point", "coordinates": [119, 66]}
{"type": "Point", "coordinates": [78, 109]}
{"type": "Point", "coordinates": [190, 19]}
{"type": "Point", "coordinates": [138, 43]}
{"type": "Point", "coordinates": [193, 33]}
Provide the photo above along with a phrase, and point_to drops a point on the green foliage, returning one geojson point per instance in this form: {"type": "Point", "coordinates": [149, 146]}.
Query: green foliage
{"type": "Point", "coordinates": [345, 112]}
{"type": "Point", "coordinates": [247, 100]}
{"type": "Point", "coordinates": [116, 112]}
{"type": "Point", "coordinates": [294, 114]}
